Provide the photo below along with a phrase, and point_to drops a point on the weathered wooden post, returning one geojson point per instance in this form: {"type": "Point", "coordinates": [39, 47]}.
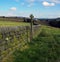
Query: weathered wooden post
{"type": "Point", "coordinates": [31, 30]}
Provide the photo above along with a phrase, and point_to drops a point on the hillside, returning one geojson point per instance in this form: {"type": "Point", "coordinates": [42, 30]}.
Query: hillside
{"type": "Point", "coordinates": [44, 48]}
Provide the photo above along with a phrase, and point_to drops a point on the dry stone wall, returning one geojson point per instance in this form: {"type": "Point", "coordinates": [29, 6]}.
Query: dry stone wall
{"type": "Point", "coordinates": [14, 37]}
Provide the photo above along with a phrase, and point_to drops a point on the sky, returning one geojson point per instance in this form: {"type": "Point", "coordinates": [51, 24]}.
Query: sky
{"type": "Point", "coordinates": [23, 8]}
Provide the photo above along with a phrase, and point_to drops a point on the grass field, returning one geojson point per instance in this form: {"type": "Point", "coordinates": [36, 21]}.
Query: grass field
{"type": "Point", "coordinates": [10, 23]}
{"type": "Point", "coordinates": [44, 48]}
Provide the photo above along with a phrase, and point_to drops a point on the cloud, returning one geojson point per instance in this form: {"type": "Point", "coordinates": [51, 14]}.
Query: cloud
{"type": "Point", "coordinates": [13, 8]}
{"type": "Point", "coordinates": [10, 14]}
{"type": "Point", "coordinates": [45, 3]}
{"type": "Point", "coordinates": [56, 1]}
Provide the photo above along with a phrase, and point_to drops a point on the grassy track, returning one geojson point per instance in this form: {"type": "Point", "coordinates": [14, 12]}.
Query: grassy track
{"type": "Point", "coordinates": [10, 23]}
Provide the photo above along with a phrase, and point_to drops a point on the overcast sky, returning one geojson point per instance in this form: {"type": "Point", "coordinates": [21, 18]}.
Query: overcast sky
{"type": "Point", "coordinates": [39, 8]}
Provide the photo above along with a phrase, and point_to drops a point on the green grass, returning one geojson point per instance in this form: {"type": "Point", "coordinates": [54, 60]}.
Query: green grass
{"type": "Point", "coordinates": [10, 23]}
{"type": "Point", "coordinates": [44, 48]}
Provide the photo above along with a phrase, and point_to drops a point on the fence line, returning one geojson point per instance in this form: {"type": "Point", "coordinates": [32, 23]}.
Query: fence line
{"type": "Point", "coordinates": [13, 37]}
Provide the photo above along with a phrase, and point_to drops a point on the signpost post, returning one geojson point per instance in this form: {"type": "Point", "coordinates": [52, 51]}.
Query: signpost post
{"type": "Point", "coordinates": [31, 31]}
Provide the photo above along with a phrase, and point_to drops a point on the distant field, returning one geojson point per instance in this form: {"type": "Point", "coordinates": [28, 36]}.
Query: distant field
{"type": "Point", "coordinates": [10, 23]}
